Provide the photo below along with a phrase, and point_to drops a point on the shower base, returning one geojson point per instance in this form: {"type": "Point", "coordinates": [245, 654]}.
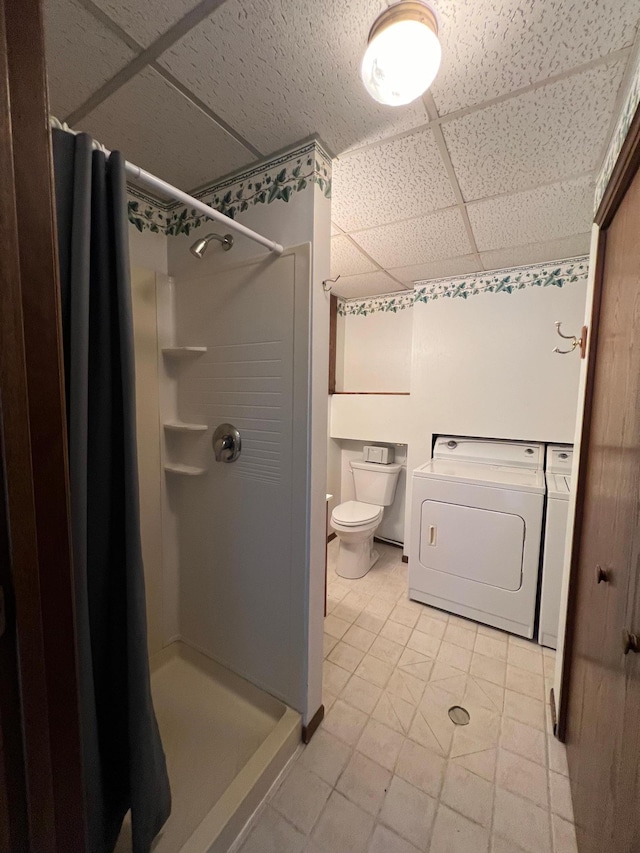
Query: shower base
{"type": "Point", "coordinates": [225, 740]}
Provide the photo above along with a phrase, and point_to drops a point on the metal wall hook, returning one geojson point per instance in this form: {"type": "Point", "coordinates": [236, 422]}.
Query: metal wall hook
{"type": "Point", "coordinates": [326, 282]}
{"type": "Point", "coordinates": [580, 342]}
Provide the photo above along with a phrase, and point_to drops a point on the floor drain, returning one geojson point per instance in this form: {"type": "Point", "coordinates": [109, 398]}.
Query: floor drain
{"type": "Point", "coordinates": [459, 716]}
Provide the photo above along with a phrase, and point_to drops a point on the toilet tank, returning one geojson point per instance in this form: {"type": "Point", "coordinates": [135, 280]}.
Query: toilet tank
{"type": "Point", "coordinates": [375, 483]}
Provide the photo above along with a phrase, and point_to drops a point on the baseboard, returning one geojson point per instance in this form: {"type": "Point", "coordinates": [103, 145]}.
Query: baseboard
{"type": "Point", "coordinates": [405, 559]}
{"type": "Point", "coordinates": [554, 715]}
{"type": "Point", "coordinates": [388, 542]}
{"type": "Point", "coordinates": [331, 536]}
{"type": "Point", "coordinates": [309, 730]}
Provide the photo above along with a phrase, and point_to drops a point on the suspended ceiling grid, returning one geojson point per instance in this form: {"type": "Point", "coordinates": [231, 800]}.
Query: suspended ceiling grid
{"type": "Point", "coordinates": [494, 167]}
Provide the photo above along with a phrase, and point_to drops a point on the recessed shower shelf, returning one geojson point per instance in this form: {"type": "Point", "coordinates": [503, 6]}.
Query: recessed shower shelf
{"type": "Point", "coordinates": [183, 352]}
{"type": "Point", "coordinates": [187, 470]}
{"type": "Point", "coordinates": [179, 426]}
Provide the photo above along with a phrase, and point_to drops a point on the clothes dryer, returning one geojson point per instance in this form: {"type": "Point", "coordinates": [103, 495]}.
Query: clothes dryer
{"type": "Point", "coordinates": [476, 526]}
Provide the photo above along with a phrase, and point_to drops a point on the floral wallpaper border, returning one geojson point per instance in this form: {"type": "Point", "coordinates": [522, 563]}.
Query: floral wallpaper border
{"type": "Point", "coordinates": [278, 179]}
{"type": "Point", "coordinates": [390, 302]}
{"type": "Point", "coordinates": [556, 274]}
{"type": "Point", "coordinates": [620, 133]}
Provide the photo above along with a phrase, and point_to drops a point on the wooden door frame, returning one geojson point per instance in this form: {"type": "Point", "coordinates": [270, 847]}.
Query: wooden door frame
{"type": "Point", "coordinates": [34, 431]}
{"type": "Point", "coordinates": [625, 169]}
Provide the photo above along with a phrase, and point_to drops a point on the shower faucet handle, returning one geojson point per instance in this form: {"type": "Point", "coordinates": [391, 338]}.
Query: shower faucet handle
{"type": "Point", "coordinates": [226, 443]}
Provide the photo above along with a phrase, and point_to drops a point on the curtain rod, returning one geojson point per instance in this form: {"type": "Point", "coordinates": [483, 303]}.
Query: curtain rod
{"type": "Point", "coordinates": [158, 184]}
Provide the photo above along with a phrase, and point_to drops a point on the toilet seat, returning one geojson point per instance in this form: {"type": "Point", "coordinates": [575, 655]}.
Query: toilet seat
{"type": "Point", "coordinates": [355, 514]}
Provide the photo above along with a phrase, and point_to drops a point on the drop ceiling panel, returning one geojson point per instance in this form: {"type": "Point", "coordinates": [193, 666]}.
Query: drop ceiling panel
{"type": "Point", "coordinates": [82, 54]}
{"type": "Point", "coordinates": [395, 180]}
{"type": "Point", "coordinates": [495, 47]}
{"type": "Point", "coordinates": [366, 284]}
{"type": "Point", "coordinates": [540, 137]}
{"type": "Point", "coordinates": [347, 259]}
{"type": "Point", "coordinates": [279, 71]}
{"type": "Point", "coordinates": [157, 128]}
{"type": "Point", "coordinates": [437, 269]}
{"type": "Point", "coordinates": [535, 216]}
{"type": "Point", "coordinates": [145, 20]}
{"type": "Point", "coordinates": [553, 250]}
{"type": "Point", "coordinates": [416, 241]}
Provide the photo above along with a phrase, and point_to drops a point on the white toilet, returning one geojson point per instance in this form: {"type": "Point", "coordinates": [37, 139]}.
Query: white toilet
{"type": "Point", "coordinates": [355, 522]}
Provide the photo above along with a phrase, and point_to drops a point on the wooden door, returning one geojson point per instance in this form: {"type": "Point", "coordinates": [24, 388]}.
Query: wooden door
{"type": "Point", "coordinates": [602, 695]}
{"type": "Point", "coordinates": [39, 728]}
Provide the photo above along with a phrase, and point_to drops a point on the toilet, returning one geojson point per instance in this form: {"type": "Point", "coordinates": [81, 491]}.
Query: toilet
{"type": "Point", "coordinates": [355, 522]}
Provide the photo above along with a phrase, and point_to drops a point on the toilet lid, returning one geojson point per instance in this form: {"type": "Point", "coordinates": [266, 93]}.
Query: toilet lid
{"type": "Point", "coordinates": [353, 513]}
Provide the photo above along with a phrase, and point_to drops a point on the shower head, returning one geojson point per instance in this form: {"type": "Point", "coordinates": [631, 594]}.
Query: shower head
{"type": "Point", "coordinates": [200, 246]}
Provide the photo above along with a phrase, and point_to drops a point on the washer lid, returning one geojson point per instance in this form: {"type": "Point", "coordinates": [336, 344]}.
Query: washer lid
{"type": "Point", "coordinates": [490, 451]}
{"type": "Point", "coordinates": [559, 459]}
{"type": "Point", "coordinates": [354, 513]}
{"type": "Point", "coordinates": [479, 474]}
{"type": "Point", "coordinates": [558, 486]}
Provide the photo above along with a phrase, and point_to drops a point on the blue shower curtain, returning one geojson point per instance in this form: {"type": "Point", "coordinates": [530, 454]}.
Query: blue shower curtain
{"type": "Point", "coordinates": [123, 760]}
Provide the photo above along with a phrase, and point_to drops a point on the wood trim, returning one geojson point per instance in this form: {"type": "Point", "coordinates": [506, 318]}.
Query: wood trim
{"type": "Point", "coordinates": [372, 393]}
{"type": "Point", "coordinates": [14, 830]}
{"type": "Point", "coordinates": [623, 173]}
{"type": "Point", "coordinates": [565, 678]}
{"type": "Point", "coordinates": [333, 341]}
{"type": "Point", "coordinates": [331, 537]}
{"type": "Point", "coordinates": [21, 521]}
{"type": "Point", "coordinates": [35, 209]}
{"type": "Point", "coordinates": [310, 729]}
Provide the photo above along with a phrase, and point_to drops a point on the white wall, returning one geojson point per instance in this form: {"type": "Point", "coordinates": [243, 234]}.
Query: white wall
{"type": "Point", "coordinates": [143, 298]}
{"type": "Point", "coordinates": [371, 417]}
{"type": "Point", "coordinates": [148, 250]}
{"type": "Point", "coordinates": [481, 366]}
{"type": "Point", "coordinates": [484, 367]}
{"type": "Point", "coordinates": [375, 351]}
{"type": "Point", "coordinates": [304, 219]}
{"type": "Point", "coordinates": [577, 443]}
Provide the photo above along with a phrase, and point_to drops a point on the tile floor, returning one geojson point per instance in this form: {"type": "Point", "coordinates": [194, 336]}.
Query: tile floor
{"type": "Point", "coordinates": [387, 771]}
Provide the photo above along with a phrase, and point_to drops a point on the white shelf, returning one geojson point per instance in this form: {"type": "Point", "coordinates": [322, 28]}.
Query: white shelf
{"type": "Point", "coordinates": [179, 426]}
{"type": "Point", "coordinates": [182, 352]}
{"type": "Point", "coordinates": [187, 470]}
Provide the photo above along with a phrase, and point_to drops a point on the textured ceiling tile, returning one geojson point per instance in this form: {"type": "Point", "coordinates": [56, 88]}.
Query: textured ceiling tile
{"type": "Point", "coordinates": [157, 128]}
{"type": "Point", "coordinates": [542, 136]}
{"type": "Point", "coordinates": [398, 179]}
{"type": "Point", "coordinates": [437, 269]}
{"type": "Point", "coordinates": [537, 253]}
{"type": "Point", "coordinates": [279, 70]}
{"type": "Point", "coordinates": [82, 54]}
{"type": "Point", "coordinates": [145, 20]}
{"type": "Point", "coordinates": [347, 259]}
{"type": "Point", "coordinates": [416, 241]}
{"type": "Point", "coordinates": [366, 284]}
{"type": "Point", "coordinates": [498, 46]}
{"type": "Point", "coordinates": [535, 216]}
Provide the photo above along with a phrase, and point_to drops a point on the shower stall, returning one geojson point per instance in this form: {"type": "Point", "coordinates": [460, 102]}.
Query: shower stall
{"type": "Point", "coordinates": [233, 573]}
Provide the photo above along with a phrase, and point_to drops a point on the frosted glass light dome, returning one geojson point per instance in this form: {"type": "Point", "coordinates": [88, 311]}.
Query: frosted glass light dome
{"type": "Point", "coordinates": [403, 55]}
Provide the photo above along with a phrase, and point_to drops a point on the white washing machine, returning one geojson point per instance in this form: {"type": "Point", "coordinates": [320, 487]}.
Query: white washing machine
{"type": "Point", "coordinates": [476, 525]}
{"type": "Point", "coordinates": [558, 476]}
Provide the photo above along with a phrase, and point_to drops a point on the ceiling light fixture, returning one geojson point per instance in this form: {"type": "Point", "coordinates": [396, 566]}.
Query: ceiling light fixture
{"type": "Point", "coordinates": [403, 53]}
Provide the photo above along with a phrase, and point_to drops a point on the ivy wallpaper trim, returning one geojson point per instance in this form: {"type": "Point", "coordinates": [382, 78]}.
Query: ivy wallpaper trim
{"type": "Point", "coordinates": [620, 133]}
{"type": "Point", "coordinates": [278, 179]}
{"type": "Point", "coordinates": [556, 274]}
{"type": "Point", "coordinates": [391, 302]}
{"type": "Point", "coordinates": [505, 281]}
